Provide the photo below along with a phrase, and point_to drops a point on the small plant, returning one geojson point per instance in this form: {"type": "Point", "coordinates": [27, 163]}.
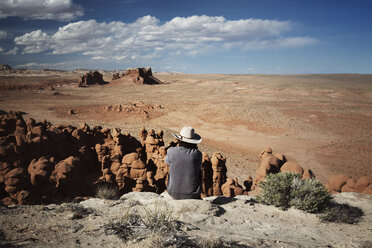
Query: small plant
{"type": "Point", "coordinates": [106, 191]}
{"type": "Point", "coordinates": [154, 222]}
{"type": "Point", "coordinates": [342, 213]}
{"type": "Point", "coordinates": [276, 189]}
{"type": "Point", "coordinates": [159, 219]}
{"type": "Point", "coordinates": [309, 195]}
{"type": "Point", "coordinates": [125, 226]}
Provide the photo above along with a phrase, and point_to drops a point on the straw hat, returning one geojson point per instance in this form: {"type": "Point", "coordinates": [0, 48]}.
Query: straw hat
{"type": "Point", "coordinates": [188, 135]}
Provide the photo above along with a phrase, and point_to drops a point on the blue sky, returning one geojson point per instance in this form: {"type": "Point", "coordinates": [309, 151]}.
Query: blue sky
{"type": "Point", "coordinates": [204, 36]}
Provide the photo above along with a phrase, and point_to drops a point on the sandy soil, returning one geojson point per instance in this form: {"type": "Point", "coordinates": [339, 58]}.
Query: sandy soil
{"type": "Point", "coordinates": [324, 122]}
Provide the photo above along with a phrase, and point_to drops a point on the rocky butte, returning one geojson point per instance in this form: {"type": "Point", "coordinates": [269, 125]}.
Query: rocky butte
{"type": "Point", "coordinates": [137, 76]}
{"type": "Point", "coordinates": [91, 78]}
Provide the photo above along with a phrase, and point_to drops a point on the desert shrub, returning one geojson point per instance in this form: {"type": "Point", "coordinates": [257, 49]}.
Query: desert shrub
{"type": "Point", "coordinates": [342, 213]}
{"type": "Point", "coordinates": [284, 190]}
{"type": "Point", "coordinates": [139, 226]}
{"type": "Point", "coordinates": [309, 195]}
{"type": "Point", "coordinates": [125, 226]}
{"type": "Point", "coordinates": [107, 192]}
{"type": "Point", "coordinates": [276, 189]}
{"type": "Point", "coordinates": [160, 218]}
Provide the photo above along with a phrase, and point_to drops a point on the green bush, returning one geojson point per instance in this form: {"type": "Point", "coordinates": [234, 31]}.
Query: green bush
{"type": "Point", "coordinates": [309, 195]}
{"type": "Point", "coordinates": [276, 189]}
{"type": "Point", "coordinates": [284, 190]}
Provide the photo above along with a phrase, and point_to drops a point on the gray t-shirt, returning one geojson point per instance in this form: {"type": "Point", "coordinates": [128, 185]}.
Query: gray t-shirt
{"type": "Point", "coordinates": [184, 179]}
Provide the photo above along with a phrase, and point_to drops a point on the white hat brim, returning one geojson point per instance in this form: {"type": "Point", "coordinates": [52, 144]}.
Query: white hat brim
{"type": "Point", "coordinates": [196, 140]}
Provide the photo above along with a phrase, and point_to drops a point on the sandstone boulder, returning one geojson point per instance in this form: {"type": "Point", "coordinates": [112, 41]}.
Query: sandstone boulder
{"type": "Point", "coordinates": [290, 166]}
{"type": "Point", "coordinates": [335, 182]}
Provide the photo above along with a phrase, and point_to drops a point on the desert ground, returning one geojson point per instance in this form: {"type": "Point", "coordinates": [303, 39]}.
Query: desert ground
{"type": "Point", "coordinates": [323, 122]}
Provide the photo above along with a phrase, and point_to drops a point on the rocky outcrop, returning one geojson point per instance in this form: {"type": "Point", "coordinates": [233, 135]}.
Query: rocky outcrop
{"type": "Point", "coordinates": [91, 78]}
{"type": "Point", "coordinates": [137, 76]}
{"type": "Point", "coordinates": [43, 163]}
{"type": "Point", "coordinates": [344, 183]}
{"type": "Point", "coordinates": [270, 163]}
{"type": "Point", "coordinates": [5, 68]}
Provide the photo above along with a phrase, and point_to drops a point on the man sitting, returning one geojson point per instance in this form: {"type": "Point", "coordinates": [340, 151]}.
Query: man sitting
{"type": "Point", "coordinates": [185, 161]}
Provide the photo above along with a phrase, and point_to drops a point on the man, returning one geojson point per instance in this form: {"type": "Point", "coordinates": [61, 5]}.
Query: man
{"type": "Point", "coordinates": [184, 160]}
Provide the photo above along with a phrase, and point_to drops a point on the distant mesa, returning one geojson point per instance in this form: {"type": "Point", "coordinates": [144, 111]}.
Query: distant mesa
{"type": "Point", "coordinates": [5, 67]}
{"type": "Point", "coordinates": [91, 78]}
{"type": "Point", "coordinates": [137, 76]}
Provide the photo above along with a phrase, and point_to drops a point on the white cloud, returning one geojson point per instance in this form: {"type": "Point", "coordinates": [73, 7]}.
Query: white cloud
{"type": "Point", "coordinates": [61, 10]}
{"type": "Point", "coordinates": [12, 51]}
{"type": "Point", "coordinates": [3, 34]}
{"type": "Point", "coordinates": [279, 43]}
{"type": "Point", "coordinates": [147, 38]}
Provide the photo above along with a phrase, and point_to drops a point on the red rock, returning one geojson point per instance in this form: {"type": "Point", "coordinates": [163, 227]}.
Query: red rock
{"type": "Point", "coordinates": [290, 166]}
{"type": "Point", "coordinates": [139, 76]}
{"type": "Point", "coordinates": [362, 183]}
{"type": "Point", "coordinates": [308, 174]}
{"type": "Point", "coordinates": [367, 190]}
{"type": "Point", "coordinates": [219, 172]}
{"type": "Point", "coordinates": [335, 182]}
{"type": "Point", "coordinates": [91, 78]}
{"type": "Point", "coordinates": [348, 186]}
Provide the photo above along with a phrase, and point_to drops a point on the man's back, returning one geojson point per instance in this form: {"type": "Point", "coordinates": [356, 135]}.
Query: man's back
{"type": "Point", "coordinates": [184, 180]}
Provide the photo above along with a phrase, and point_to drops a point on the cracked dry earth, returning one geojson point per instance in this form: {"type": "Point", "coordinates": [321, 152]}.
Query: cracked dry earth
{"type": "Point", "coordinates": [240, 221]}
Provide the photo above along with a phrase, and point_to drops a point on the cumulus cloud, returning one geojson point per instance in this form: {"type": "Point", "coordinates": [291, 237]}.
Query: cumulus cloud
{"type": "Point", "coordinates": [12, 51]}
{"type": "Point", "coordinates": [61, 10]}
{"type": "Point", "coordinates": [3, 34]}
{"type": "Point", "coordinates": [147, 38]}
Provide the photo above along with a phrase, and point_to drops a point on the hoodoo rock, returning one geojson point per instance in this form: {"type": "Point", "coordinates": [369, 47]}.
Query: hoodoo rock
{"type": "Point", "coordinates": [270, 163]}
{"type": "Point", "coordinates": [343, 183]}
{"type": "Point", "coordinates": [219, 172]}
{"type": "Point", "coordinates": [292, 167]}
{"type": "Point", "coordinates": [335, 182]}
{"type": "Point", "coordinates": [137, 76]}
{"type": "Point", "coordinates": [91, 78]}
{"type": "Point", "coordinates": [43, 163]}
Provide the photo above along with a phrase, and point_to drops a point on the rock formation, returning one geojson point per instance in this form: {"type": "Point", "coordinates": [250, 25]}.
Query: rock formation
{"type": "Point", "coordinates": [344, 183]}
{"type": "Point", "coordinates": [43, 163]}
{"type": "Point", "coordinates": [270, 163]}
{"type": "Point", "coordinates": [5, 68]}
{"type": "Point", "coordinates": [91, 78]}
{"type": "Point", "coordinates": [137, 76]}
{"type": "Point", "coordinates": [219, 172]}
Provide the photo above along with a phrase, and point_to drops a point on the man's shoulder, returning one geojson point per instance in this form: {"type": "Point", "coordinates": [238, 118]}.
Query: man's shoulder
{"type": "Point", "coordinates": [180, 149]}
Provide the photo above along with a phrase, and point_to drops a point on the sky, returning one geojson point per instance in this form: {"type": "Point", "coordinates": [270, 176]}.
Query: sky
{"type": "Point", "coordinates": [193, 36]}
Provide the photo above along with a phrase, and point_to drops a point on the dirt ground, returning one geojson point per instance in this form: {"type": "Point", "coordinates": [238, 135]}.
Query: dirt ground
{"type": "Point", "coordinates": [324, 122]}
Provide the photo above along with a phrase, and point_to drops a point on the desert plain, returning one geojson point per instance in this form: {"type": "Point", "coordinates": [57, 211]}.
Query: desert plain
{"type": "Point", "coordinates": [321, 121]}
